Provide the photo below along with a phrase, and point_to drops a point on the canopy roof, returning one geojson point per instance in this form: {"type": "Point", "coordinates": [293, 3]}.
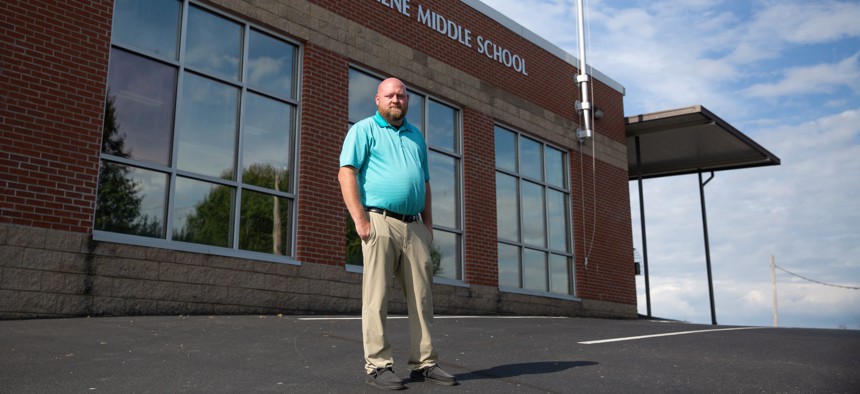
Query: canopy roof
{"type": "Point", "coordinates": [689, 140]}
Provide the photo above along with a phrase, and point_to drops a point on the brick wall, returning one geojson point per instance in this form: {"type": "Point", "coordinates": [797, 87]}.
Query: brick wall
{"type": "Point", "coordinates": [605, 238]}
{"type": "Point", "coordinates": [54, 64]}
{"type": "Point", "coordinates": [546, 72]}
{"type": "Point", "coordinates": [479, 182]}
{"type": "Point", "coordinates": [53, 58]}
{"type": "Point", "coordinates": [321, 214]}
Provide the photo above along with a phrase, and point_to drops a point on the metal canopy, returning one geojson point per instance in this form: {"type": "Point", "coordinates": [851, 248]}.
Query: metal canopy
{"type": "Point", "coordinates": [686, 141]}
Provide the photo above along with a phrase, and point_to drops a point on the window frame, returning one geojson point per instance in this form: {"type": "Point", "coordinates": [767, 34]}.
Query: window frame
{"type": "Point", "coordinates": [545, 185]}
{"type": "Point", "coordinates": [236, 184]}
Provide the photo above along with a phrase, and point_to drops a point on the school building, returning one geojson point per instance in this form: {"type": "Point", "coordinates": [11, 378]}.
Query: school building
{"type": "Point", "coordinates": [181, 157]}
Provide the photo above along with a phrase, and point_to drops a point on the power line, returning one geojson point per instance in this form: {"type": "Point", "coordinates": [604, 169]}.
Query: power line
{"type": "Point", "coordinates": [815, 281]}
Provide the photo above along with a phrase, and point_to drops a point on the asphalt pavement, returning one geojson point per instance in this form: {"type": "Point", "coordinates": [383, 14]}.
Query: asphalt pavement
{"type": "Point", "coordinates": [323, 354]}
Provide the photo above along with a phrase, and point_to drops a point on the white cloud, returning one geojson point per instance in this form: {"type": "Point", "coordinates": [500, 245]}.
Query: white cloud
{"type": "Point", "coordinates": [819, 78]}
{"type": "Point", "coordinates": [809, 22]}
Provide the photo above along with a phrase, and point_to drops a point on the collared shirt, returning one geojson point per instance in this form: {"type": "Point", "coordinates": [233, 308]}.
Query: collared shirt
{"type": "Point", "coordinates": [391, 162]}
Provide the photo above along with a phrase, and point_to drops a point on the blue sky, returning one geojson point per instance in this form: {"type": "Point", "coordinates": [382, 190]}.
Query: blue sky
{"type": "Point", "coordinates": [787, 74]}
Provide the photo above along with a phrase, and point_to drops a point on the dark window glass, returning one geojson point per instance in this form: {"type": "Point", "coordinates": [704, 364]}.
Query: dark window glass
{"type": "Point", "coordinates": [141, 101]}
{"type": "Point", "coordinates": [151, 26]}
{"type": "Point", "coordinates": [131, 200]}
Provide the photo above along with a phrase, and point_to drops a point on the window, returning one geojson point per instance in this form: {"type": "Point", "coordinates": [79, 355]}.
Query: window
{"type": "Point", "coordinates": [199, 138]}
{"type": "Point", "coordinates": [533, 215]}
{"type": "Point", "coordinates": [441, 126]}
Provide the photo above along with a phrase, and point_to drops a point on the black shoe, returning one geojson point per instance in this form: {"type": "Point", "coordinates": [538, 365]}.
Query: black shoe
{"type": "Point", "coordinates": [385, 379]}
{"type": "Point", "coordinates": [433, 374]}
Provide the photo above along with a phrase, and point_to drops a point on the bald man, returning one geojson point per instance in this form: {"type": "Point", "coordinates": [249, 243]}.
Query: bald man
{"type": "Point", "coordinates": [385, 182]}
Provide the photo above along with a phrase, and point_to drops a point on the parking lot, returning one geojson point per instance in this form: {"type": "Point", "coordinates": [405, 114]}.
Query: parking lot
{"type": "Point", "coordinates": [323, 354]}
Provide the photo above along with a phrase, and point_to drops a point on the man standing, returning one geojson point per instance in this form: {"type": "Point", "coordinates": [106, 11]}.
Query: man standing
{"type": "Point", "coordinates": [385, 182]}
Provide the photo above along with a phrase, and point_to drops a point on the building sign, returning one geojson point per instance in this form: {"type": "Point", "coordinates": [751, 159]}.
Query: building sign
{"type": "Point", "coordinates": [458, 33]}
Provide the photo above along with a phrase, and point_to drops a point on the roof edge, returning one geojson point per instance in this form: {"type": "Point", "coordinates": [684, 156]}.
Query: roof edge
{"type": "Point", "coordinates": [541, 42]}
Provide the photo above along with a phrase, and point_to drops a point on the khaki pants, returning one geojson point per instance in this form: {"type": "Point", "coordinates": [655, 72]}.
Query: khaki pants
{"type": "Point", "coordinates": [397, 250]}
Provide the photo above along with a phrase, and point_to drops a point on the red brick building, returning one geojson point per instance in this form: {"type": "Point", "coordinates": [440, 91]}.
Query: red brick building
{"type": "Point", "coordinates": [181, 157]}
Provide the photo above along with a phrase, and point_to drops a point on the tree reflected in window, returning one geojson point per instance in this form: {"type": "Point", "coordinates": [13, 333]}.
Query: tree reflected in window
{"type": "Point", "coordinates": [119, 204]}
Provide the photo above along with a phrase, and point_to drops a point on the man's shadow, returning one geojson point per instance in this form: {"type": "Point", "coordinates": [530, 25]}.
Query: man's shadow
{"type": "Point", "coordinates": [511, 370]}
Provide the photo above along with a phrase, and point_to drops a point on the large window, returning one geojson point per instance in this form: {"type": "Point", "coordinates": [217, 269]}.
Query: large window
{"type": "Point", "coordinates": [198, 149]}
{"type": "Point", "coordinates": [441, 126]}
{"type": "Point", "coordinates": [533, 215]}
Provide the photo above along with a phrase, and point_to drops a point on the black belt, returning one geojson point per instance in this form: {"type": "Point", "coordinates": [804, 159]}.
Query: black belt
{"type": "Point", "coordinates": [395, 215]}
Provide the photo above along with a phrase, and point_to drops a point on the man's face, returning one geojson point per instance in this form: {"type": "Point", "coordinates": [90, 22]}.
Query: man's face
{"type": "Point", "coordinates": [392, 101]}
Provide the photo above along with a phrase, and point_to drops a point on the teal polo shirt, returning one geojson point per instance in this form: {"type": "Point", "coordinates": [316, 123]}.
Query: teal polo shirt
{"type": "Point", "coordinates": [392, 164]}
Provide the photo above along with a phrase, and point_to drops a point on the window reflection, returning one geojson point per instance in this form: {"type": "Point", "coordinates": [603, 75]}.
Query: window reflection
{"type": "Point", "coordinates": [151, 26]}
{"type": "Point", "coordinates": [142, 94]}
{"type": "Point", "coordinates": [507, 207]}
{"type": "Point", "coordinates": [557, 214]}
{"type": "Point", "coordinates": [202, 212]}
{"type": "Point", "coordinates": [214, 43]}
{"type": "Point", "coordinates": [534, 270]}
{"type": "Point", "coordinates": [506, 150]}
{"type": "Point", "coordinates": [362, 90]}
{"type": "Point", "coordinates": [270, 64]}
{"type": "Point", "coordinates": [416, 112]}
{"type": "Point", "coordinates": [163, 127]}
{"type": "Point", "coordinates": [131, 200]}
{"type": "Point", "coordinates": [531, 156]}
{"type": "Point", "coordinates": [264, 225]}
{"type": "Point", "coordinates": [266, 144]}
{"type": "Point", "coordinates": [543, 222]}
{"type": "Point", "coordinates": [555, 174]}
{"type": "Point", "coordinates": [208, 127]}
{"type": "Point", "coordinates": [447, 246]}
{"type": "Point", "coordinates": [559, 275]}
{"type": "Point", "coordinates": [534, 214]}
{"type": "Point", "coordinates": [444, 179]}
{"type": "Point", "coordinates": [509, 265]}
{"type": "Point", "coordinates": [441, 121]}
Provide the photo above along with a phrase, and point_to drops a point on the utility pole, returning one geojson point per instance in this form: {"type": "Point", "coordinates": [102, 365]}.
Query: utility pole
{"type": "Point", "coordinates": [773, 288]}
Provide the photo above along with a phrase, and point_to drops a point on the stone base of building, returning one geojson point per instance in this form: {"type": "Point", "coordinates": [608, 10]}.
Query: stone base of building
{"type": "Point", "coordinates": [47, 273]}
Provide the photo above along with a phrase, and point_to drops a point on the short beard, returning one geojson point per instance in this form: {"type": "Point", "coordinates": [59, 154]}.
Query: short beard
{"type": "Point", "coordinates": [393, 116]}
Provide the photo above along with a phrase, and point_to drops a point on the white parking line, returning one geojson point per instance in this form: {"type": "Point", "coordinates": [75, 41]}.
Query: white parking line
{"type": "Point", "coordinates": [440, 317]}
{"type": "Point", "coordinates": [665, 335]}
